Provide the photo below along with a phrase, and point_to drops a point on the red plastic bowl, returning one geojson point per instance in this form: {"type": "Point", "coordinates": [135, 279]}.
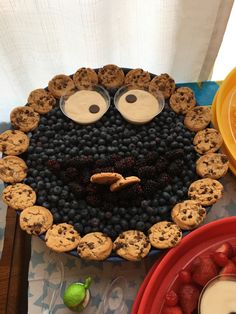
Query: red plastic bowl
{"type": "Point", "coordinates": [162, 277]}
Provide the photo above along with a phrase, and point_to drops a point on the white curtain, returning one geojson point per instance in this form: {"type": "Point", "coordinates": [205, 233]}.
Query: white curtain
{"type": "Point", "coordinates": [41, 38]}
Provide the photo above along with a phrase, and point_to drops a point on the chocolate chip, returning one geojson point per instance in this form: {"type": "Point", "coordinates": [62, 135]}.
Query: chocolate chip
{"type": "Point", "coordinates": [94, 108]}
{"type": "Point", "coordinates": [130, 98]}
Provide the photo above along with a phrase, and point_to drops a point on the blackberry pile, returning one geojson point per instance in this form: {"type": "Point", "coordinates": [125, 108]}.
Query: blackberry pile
{"type": "Point", "coordinates": [63, 155]}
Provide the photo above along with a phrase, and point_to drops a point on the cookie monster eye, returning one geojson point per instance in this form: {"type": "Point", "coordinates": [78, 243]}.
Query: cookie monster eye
{"type": "Point", "coordinates": [137, 105]}
{"type": "Point", "coordinates": [86, 106]}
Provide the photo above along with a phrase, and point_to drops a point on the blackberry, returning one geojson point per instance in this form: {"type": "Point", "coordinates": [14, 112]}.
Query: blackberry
{"type": "Point", "coordinates": [72, 173]}
{"type": "Point", "coordinates": [151, 157]}
{"type": "Point", "coordinates": [93, 200]}
{"type": "Point", "coordinates": [164, 179]}
{"type": "Point", "coordinates": [175, 154]}
{"type": "Point", "coordinates": [174, 169]}
{"type": "Point", "coordinates": [161, 165]}
{"type": "Point", "coordinates": [146, 172]}
{"type": "Point", "coordinates": [77, 189]}
{"type": "Point", "coordinates": [101, 163]}
{"type": "Point", "coordinates": [125, 164]}
{"type": "Point", "coordinates": [53, 165]}
{"type": "Point", "coordinates": [131, 192]}
{"type": "Point", "coordinates": [150, 187]}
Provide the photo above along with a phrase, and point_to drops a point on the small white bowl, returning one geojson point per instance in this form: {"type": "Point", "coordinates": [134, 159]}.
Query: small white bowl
{"type": "Point", "coordinates": [84, 117]}
{"type": "Point", "coordinates": [141, 116]}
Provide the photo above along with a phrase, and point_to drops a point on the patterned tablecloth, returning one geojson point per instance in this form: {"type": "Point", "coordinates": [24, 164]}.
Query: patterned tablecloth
{"type": "Point", "coordinates": [50, 273]}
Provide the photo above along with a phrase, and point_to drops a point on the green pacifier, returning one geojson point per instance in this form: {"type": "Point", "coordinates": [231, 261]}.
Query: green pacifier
{"type": "Point", "coordinates": [77, 295]}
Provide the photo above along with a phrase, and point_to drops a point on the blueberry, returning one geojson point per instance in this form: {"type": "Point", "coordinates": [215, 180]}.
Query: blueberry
{"type": "Point", "coordinates": [46, 204]}
{"type": "Point", "coordinates": [78, 227]}
{"type": "Point", "coordinates": [140, 225]}
{"type": "Point", "coordinates": [56, 217]}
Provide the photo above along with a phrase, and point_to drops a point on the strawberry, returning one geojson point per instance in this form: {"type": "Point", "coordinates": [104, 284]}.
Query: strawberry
{"type": "Point", "coordinates": [220, 258]}
{"type": "Point", "coordinates": [230, 268]}
{"type": "Point", "coordinates": [233, 259]}
{"type": "Point", "coordinates": [188, 298]}
{"type": "Point", "coordinates": [171, 310]}
{"type": "Point", "coordinates": [205, 269]}
{"type": "Point", "coordinates": [185, 276]}
{"type": "Point", "coordinates": [171, 298]}
{"type": "Point", "coordinates": [226, 248]}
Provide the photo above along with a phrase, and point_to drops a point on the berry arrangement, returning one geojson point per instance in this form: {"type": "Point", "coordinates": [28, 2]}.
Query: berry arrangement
{"type": "Point", "coordinates": [183, 297]}
{"type": "Point", "coordinates": [63, 155]}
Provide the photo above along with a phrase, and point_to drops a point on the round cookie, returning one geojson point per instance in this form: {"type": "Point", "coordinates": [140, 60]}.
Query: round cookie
{"type": "Point", "coordinates": [162, 84]}
{"type": "Point", "coordinates": [164, 235]}
{"type": "Point", "coordinates": [85, 78]}
{"type": "Point", "coordinates": [41, 101]}
{"type": "Point", "coordinates": [121, 183]}
{"type": "Point", "coordinates": [111, 76]}
{"type": "Point", "coordinates": [62, 238]}
{"type": "Point", "coordinates": [205, 191]}
{"type": "Point", "coordinates": [24, 118]}
{"type": "Point", "coordinates": [212, 165]}
{"type": "Point", "coordinates": [138, 78]}
{"type": "Point", "coordinates": [207, 141]}
{"type": "Point", "coordinates": [19, 196]}
{"type": "Point", "coordinates": [61, 85]}
{"type": "Point", "coordinates": [105, 177]}
{"type": "Point", "coordinates": [95, 246]}
{"type": "Point", "coordinates": [12, 169]}
{"type": "Point", "coordinates": [188, 214]}
{"type": "Point", "coordinates": [13, 142]}
{"type": "Point", "coordinates": [132, 245]}
{"type": "Point", "coordinates": [182, 100]}
{"type": "Point", "coordinates": [35, 220]}
{"type": "Point", "coordinates": [198, 118]}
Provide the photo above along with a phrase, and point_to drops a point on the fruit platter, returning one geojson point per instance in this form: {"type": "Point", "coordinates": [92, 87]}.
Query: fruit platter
{"type": "Point", "coordinates": [111, 163]}
{"type": "Point", "coordinates": [198, 276]}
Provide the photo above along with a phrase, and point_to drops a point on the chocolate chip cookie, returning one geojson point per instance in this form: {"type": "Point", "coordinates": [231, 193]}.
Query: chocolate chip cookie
{"type": "Point", "coordinates": [207, 141]}
{"type": "Point", "coordinates": [212, 165]}
{"type": "Point", "coordinates": [198, 118]}
{"type": "Point", "coordinates": [85, 78]}
{"type": "Point", "coordinates": [105, 177]}
{"type": "Point", "coordinates": [138, 78]}
{"type": "Point", "coordinates": [188, 214]}
{"type": "Point", "coordinates": [41, 101]}
{"type": "Point", "coordinates": [61, 85]}
{"type": "Point", "coordinates": [182, 100]}
{"type": "Point", "coordinates": [12, 169]}
{"type": "Point", "coordinates": [111, 76]}
{"type": "Point", "coordinates": [164, 235]}
{"type": "Point", "coordinates": [35, 220]}
{"type": "Point", "coordinates": [13, 142]}
{"type": "Point", "coordinates": [62, 238]}
{"type": "Point", "coordinates": [24, 119]}
{"type": "Point", "coordinates": [162, 84]}
{"type": "Point", "coordinates": [132, 245]}
{"type": "Point", "coordinates": [206, 191]}
{"type": "Point", "coordinates": [123, 182]}
{"type": "Point", "coordinates": [95, 246]}
{"type": "Point", "coordinates": [19, 196]}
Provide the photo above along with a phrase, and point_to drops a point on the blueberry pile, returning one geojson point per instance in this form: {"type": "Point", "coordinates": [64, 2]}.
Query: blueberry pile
{"type": "Point", "coordinates": [63, 154]}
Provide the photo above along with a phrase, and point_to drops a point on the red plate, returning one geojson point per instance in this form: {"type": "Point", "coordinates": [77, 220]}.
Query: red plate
{"type": "Point", "coordinates": [197, 242]}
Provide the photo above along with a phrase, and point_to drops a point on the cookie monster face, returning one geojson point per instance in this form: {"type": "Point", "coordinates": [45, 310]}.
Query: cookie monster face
{"type": "Point", "coordinates": [111, 152]}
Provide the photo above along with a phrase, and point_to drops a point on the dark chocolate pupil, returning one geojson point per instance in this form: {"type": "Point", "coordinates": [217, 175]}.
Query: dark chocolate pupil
{"type": "Point", "coordinates": [94, 108]}
{"type": "Point", "coordinates": [131, 98]}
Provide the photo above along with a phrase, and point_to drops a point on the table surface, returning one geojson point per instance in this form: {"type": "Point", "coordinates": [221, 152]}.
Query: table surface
{"type": "Point", "coordinates": [46, 274]}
